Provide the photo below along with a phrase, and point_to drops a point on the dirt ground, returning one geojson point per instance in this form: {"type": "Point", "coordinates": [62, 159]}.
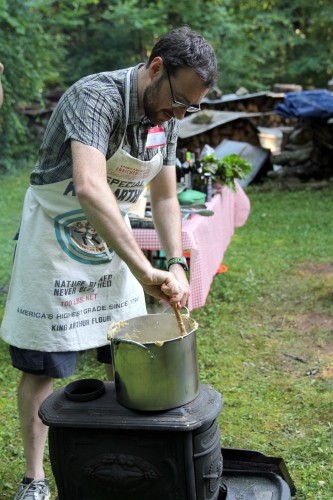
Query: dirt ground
{"type": "Point", "coordinates": [315, 329]}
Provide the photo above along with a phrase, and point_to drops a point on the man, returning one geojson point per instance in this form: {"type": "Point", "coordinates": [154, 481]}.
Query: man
{"type": "Point", "coordinates": [77, 265]}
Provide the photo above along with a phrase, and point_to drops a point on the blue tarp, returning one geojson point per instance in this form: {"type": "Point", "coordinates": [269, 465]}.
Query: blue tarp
{"type": "Point", "coordinates": [307, 104]}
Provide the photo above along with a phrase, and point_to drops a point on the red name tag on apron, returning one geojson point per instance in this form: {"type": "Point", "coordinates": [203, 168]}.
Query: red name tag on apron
{"type": "Point", "coordinates": [156, 137]}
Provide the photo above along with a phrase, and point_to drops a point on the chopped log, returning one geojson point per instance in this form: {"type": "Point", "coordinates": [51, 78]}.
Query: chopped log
{"type": "Point", "coordinates": [323, 134]}
{"type": "Point", "coordinates": [306, 171]}
{"type": "Point", "coordinates": [301, 135]}
{"type": "Point", "coordinates": [241, 130]}
{"type": "Point", "coordinates": [296, 157]}
{"type": "Point", "coordinates": [295, 147]}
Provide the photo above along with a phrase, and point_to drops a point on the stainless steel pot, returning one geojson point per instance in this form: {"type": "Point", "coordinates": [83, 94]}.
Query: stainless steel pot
{"type": "Point", "coordinates": [155, 368]}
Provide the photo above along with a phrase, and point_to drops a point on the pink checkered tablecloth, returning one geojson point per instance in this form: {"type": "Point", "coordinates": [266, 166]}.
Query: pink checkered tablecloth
{"type": "Point", "coordinates": [206, 238]}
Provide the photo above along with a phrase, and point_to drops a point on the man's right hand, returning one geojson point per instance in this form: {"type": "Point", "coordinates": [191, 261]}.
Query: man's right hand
{"type": "Point", "coordinates": [165, 287]}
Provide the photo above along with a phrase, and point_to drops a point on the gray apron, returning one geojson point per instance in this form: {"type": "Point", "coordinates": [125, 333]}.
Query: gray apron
{"type": "Point", "coordinates": [67, 285]}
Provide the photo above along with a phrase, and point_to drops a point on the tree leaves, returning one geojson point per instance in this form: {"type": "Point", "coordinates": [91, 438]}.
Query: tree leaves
{"type": "Point", "coordinates": [56, 42]}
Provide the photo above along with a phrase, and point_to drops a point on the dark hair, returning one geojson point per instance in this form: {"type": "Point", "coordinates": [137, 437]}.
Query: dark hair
{"type": "Point", "coordinates": [184, 48]}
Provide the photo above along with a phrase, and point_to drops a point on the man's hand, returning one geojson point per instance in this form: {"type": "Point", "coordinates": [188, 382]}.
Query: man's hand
{"type": "Point", "coordinates": [164, 286]}
{"type": "Point", "coordinates": [181, 277]}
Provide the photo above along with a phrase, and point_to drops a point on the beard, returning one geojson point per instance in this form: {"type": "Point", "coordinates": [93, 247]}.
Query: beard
{"type": "Point", "coordinates": [151, 98]}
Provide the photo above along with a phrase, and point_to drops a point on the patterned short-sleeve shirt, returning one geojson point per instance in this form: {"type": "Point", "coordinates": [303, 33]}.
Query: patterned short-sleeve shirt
{"type": "Point", "coordinates": [92, 111]}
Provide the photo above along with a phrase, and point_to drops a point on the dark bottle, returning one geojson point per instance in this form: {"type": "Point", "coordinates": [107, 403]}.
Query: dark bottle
{"type": "Point", "coordinates": [185, 165]}
{"type": "Point", "coordinates": [180, 166]}
{"type": "Point", "coordinates": [188, 170]}
{"type": "Point", "coordinates": [197, 172]}
{"type": "Point", "coordinates": [179, 171]}
{"type": "Point", "coordinates": [197, 162]}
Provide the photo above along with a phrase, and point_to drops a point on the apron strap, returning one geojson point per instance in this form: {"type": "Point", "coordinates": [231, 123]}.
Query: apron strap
{"type": "Point", "coordinates": [127, 100]}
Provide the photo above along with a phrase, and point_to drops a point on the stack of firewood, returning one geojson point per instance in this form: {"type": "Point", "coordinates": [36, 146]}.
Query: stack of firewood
{"type": "Point", "coordinates": [240, 129]}
{"type": "Point", "coordinates": [306, 152]}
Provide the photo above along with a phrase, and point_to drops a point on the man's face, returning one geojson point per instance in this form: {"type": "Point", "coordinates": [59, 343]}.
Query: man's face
{"type": "Point", "coordinates": [159, 95]}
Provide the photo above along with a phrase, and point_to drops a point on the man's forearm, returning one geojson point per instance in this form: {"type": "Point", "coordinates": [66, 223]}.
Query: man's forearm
{"type": "Point", "coordinates": [166, 213]}
{"type": "Point", "coordinates": [101, 208]}
{"type": "Point", "coordinates": [168, 224]}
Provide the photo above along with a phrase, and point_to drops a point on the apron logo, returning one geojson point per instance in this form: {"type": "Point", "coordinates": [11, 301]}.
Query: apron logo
{"type": "Point", "coordinates": [79, 240]}
{"type": "Point", "coordinates": [85, 236]}
{"type": "Point", "coordinates": [122, 173]}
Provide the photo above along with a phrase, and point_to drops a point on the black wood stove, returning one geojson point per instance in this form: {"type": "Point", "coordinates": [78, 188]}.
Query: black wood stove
{"type": "Point", "coordinates": [100, 450]}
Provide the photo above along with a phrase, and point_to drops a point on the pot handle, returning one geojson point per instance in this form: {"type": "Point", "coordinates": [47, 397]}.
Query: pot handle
{"type": "Point", "coordinates": [187, 311]}
{"type": "Point", "coordinates": [128, 341]}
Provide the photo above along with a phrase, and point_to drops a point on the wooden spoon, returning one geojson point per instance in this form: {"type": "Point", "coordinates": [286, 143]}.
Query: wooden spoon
{"type": "Point", "coordinates": [179, 320]}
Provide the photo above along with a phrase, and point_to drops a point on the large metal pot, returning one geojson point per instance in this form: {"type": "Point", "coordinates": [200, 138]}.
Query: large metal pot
{"type": "Point", "coordinates": [155, 368]}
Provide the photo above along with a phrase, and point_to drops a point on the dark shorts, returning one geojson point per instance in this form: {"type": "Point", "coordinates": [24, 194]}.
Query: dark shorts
{"type": "Point", "coordinates": [52, 364]}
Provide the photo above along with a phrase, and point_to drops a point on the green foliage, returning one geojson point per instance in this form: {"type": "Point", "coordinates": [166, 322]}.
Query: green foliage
{"type": "Point", "coordinates": [227, 169]}
{"type": "Point", "coordinates": [29, 54]}
{"type": "Point", "coordinates": [13, 188]}
{"type": "Point", "coordinates": [101, 35]}
{"type": "Point", "coordinates": [45, 43]}
{"type": "Point", "coordinates": [309, 58]}
{"type": "Point", "coordinates": [277, 41]}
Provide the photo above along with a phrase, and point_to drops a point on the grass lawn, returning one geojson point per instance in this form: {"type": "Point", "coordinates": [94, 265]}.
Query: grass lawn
{"type": "Point", "coordinates": [265, 336]}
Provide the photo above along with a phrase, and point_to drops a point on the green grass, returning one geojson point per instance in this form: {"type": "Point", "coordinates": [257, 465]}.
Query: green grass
{"type": "Point", "coordinates": [265, 337]}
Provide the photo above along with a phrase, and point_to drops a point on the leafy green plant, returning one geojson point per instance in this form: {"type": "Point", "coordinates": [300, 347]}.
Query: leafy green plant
{"type": "Point", "coordinates": [30, 55]}
{"type": "Point", "coordinates": [226, 170]}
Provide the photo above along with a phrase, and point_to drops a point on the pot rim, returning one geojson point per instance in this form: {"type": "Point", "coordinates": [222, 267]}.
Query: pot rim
{"type": "Point", "coordinates": [116, 328]}
{"type": "Point", "coordinates": [117, 340]}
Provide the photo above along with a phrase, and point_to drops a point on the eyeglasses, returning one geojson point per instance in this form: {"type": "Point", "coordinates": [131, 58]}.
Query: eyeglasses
{"type": "Point", "coordinates": [191, 108]}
